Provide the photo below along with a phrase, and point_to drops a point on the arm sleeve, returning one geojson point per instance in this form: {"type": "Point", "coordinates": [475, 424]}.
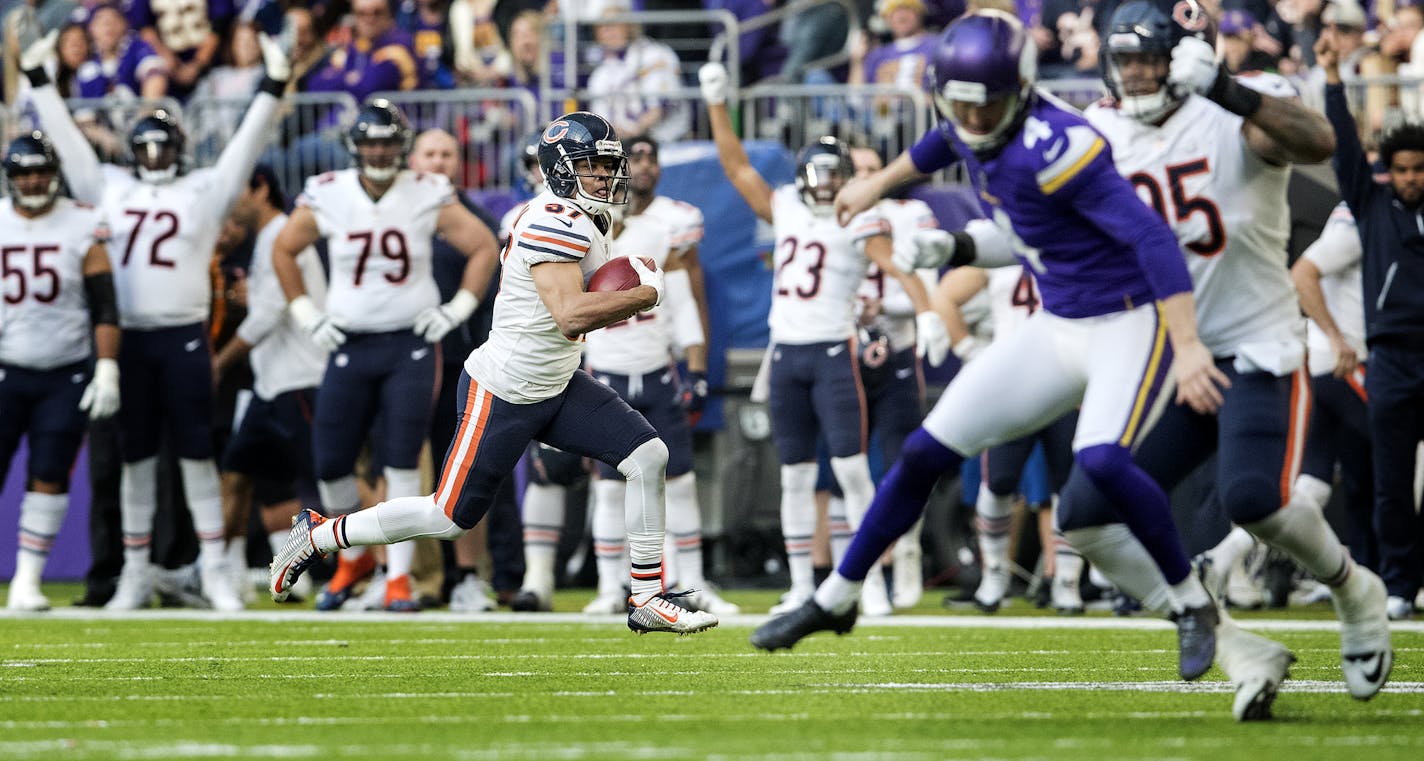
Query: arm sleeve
{"type": "Point", "coordinates": [991, 245]}
{"type": "Point", "coordinates": [1337, 249]}
{"type": "Point", "coordinates": [686, 323]}
{"type": "Point", "coordinates": [240, 156]}
{"type": "Point", "coordinates": [933, 152]}
{"type": "Point", "coordinates": [80, 166]}
{"type": "Point", "coordinates": [1352, 168]}
{"type": "Point", "coordinates": [1105, 198]}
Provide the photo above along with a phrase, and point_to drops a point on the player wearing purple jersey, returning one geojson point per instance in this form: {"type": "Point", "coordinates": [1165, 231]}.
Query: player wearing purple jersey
{"type": "Point", "coordinates": [1114, 290]}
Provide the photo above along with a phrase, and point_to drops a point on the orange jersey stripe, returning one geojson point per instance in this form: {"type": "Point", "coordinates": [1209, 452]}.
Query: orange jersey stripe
{"type": "Point", "coordinates": [556, 241]}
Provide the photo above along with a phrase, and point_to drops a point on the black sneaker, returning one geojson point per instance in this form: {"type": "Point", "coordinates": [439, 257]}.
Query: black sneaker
{"type": "Point", "coordinates": [1196, 640]}
{"type": "Point", "coordinates": [789, 628]}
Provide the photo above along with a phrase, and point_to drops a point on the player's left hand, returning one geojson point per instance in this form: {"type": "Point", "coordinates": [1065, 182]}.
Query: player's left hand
{"type": "Point", "coordinates": [694, 396]}
{"type": "Point", "coordinates": [1194, 67]}
{"type": "Point", "coordinates": [1199, 380]}
{"type": "Point", "coordinates": [653, 278]}
{"type": "Point", "coordinates": [435, 323]}
{"type": "Point", "coordinates": [278, 66]}
{"type": "Point", "coordinates": [931, 337]}
{"type": "Point", "coordinates": [101, 396]}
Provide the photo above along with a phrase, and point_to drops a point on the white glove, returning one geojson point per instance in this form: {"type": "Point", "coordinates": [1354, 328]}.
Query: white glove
{"type": "Point", "coordinates": [35, 50]}
{"type": "Point", "coordinates": [434, 323]}
{"type": "Point", "coordinates": [931, 250]}
{"type": "Point", "coordinates": [101, 396]}
{"type": "Point", "coordinates": [1194, 67]}
{"type": "Point", "coordinates": [649, 277]}
{"type": "Point", "coordinates": [316, 323]}
{"type": "Point", "coordinates": [713, 78]}
{"type": "Point", "coordinates": [278, 66]}
{"type": "Point", "coordinates": [968, 348]}
{"type": "Point", "coordinates": [931, 338]}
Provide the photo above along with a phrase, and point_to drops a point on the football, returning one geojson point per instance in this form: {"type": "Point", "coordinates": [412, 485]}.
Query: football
{"type": "Point", "coordinates": [617, 274]}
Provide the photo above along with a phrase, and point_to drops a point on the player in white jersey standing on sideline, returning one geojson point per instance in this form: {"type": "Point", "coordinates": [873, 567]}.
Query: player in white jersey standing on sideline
{"type": "Point", "coordinates": [57, 285]}
{"type": "Point", "coordinates": [272, 444]}
{"type": "Point", "coordinates": [1327, 279]}
{"type": "Point", "coordinates": [383, 320]}
{"type": "Point", "coordinates": [636, 358]}
{"type": "Point", "coordinates": [815, 370]}
{"type": "Point", "coordinates": [894, 380]}
{"type": "Point", "coordinates": [1013, 298]}
{"type": "Point", "coordinates": [1212, 155]}
{"type": "Point", "coordinates": [165, 223]}
{"type": "Point", "coordinates": [524, 383]}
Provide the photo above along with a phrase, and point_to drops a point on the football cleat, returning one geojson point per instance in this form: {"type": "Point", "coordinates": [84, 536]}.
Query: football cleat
{"type": "Point", "coordinates": [335, 593]}
{"type": "Point", "coordinates": [135, 589]}
{"type": "Point", "coordinates": [296, 556]}
{"type": "Point", "coordinates": [606, 604]}
{"type": "Point", "coordinates": [1064, 595]}
{"type": "Point", "coordinates": [792, 600]}
{"type": "Point", "coordinates": [533, 601]}
{"type": "Point", "coordinates": [1256, 667]}
{"type": "Point", "coordinates": [218, 588]}
{"type": "Point", "coordinates": [908, 577]}
{"type": "Point", "coordinates": [874, 598]}
{"type": "Point", "coordinates": [1196, 640]}
{"type": "Point", "coordinates": [26, 597]}
{"type": "Point", "coordinates": [785, 631]}
{"type": "Point", "coordinates": [398, 598]}
{"type": "Point", "coordinates": [992, 588]}
{"type": "Point", "coordinates": [661, 614]}
{"type": "Point", "coordinates": [471, 595]}
{"type": "Point", "coordinates": [1366, 655]}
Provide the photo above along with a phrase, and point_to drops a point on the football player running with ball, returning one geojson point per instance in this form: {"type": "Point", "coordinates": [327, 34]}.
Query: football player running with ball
{"type": "Point", "coordinates": [525, 384]}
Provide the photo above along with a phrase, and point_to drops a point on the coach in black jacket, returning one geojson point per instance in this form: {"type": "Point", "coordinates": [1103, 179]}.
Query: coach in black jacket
{"type": "Point", "coordinates": [1391, 224]}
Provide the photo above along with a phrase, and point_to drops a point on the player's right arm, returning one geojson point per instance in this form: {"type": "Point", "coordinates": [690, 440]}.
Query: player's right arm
{"type": "Point", "coordinates": [1352, 167]}
{"type": "Point", "coordinates": [299, 232]}
{"type": "Point", "coordinates": [80, 163]}
{"type": "Point", "coordinates": [575, 311]}
{"type": "Point", "coordinates": [1337, 249]}
{"type": "Point", "coordinates": [735, 164]}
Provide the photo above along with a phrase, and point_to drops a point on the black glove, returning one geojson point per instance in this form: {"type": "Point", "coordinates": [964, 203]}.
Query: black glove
{"type": "Point", "coordinates": [694, 396]}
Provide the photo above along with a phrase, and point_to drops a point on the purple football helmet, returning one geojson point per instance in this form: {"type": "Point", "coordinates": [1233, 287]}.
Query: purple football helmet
{"type": "Point", "coordinates": [984, 57]}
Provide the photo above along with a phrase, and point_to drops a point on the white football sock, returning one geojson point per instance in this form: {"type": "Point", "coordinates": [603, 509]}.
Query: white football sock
{"type": "Point", "coordinates": [798, 520]}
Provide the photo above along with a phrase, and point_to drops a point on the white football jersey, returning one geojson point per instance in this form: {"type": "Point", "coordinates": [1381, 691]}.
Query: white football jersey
{"type": "Point", "coordinates": [506, 223]}
{"type": "Point", "coordinates": [897, 312]}
{"type": "Point", "coordinates": [46, 312]}
{"type": "Point", "coordinates": [163, 238]}
{"type": "Point", "coordinates": [1337, 255]}
{"type": "Point", "coordinates": [819, 269]}
{"type": "Point", "coordinates": [1013, 296]}
{"type": "Point", "coordinates": [283, 357]}
{"type": "Point", "coordinates": [379, 252]}
{"type": "Point", "coordinates": [1228, 208]}
{"type": "Point", "coordinates": [527, 358]}
{"type": "Point", "coordinates": [683, 219]}
{"type": "Point", "coordinates": [642, 343]}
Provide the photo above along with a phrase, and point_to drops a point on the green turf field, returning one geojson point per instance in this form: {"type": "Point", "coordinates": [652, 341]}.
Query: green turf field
{"type": "Point", "coordinates": [294, 684]}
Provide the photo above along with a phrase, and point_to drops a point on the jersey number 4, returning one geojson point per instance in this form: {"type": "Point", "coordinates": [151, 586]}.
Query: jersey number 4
{"type": "Point", "coordinates": [30, 279]}
{"type": "Point", "coordinates": [1184, 207]}
{"type": "Point", "coordinates": [393, 247]}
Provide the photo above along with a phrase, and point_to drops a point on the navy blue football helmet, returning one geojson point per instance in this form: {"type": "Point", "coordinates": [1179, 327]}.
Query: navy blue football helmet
{"type": "Point", "coordinates": [568, 149]}
{"type": "Point", "coordinates": [156, 145]}
{"type": "Point", "coordinates": [531, 177]}
{"type": "Point", "coordinates": [984, 57]}
{"type": "Point", "coordinates": [30, 154]}
{"type": "Point", "coordinates": [379, 122]}
{"type": "Point", "coordinates": [1149, 29]}
{"type": "Point", "coordinates": [822, 168]}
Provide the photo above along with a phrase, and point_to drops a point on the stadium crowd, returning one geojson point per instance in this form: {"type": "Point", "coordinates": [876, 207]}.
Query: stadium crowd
{"type": "Point", "coordinates": [209, 322]}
